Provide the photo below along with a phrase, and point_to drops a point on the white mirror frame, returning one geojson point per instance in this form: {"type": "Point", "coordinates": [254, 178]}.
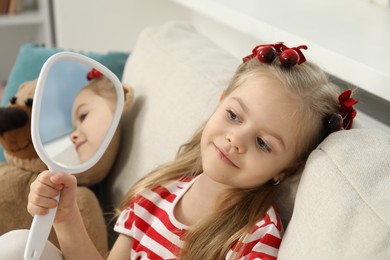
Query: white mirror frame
{"type": "Point", "coordinates": [41, 225]}
{"type": "Point", "coordinates": [53, 165]}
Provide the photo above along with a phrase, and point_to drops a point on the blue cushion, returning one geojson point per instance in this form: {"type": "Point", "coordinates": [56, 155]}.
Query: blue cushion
{"type": "Point", "coordinates": [31, 58]}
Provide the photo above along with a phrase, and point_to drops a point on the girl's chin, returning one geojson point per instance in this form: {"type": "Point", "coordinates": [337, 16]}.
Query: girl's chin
{"type": "Point", "coordinates": [84, 156]}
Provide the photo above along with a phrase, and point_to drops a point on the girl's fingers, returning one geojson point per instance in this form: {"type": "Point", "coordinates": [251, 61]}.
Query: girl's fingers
{"type": "Point", "coordinates": [39, 205]}
{"type": "Point", "coordinates": [63, 179]}
{"type": "Point", "coordinates": [42, 193]}
{"type": "Point", "coordinates": [43, 190]}
{"type": "Point", "coordinates": [41, 201]}
{"type": "Point", "coordinates": [46, 187]}
{"type": "Point", "coordinates": [35, 210]}
{"type": "Point", "coordinates": [45, 178]}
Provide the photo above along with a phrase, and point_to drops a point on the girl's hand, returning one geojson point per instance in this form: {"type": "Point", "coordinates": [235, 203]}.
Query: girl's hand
{"type": "Point", "coordinates": [46, 187]}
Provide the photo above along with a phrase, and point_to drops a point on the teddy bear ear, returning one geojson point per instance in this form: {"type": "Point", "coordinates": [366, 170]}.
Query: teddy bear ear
{"type": "Point", "coordinates": [129, 96]}
{"type": "Point", "coordinates": [31, 85]}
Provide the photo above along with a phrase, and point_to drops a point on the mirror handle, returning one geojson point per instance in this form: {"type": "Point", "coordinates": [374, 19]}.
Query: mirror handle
{"type": "Point", "coordinates": [39, 232]}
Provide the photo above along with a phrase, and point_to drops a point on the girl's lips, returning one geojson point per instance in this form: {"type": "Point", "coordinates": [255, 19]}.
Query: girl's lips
{"type": "Point", "coordinates": [77, 146]}
{"type": "Point", "coordinates": [224, 157]}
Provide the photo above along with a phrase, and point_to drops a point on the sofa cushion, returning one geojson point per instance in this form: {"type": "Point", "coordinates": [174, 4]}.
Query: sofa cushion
{"type": "Point", "coordinates": [342, 206]}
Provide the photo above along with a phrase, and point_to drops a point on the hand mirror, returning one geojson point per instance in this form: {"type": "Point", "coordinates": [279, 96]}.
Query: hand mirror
{"type": "Point", "coordinates": [77, 106]}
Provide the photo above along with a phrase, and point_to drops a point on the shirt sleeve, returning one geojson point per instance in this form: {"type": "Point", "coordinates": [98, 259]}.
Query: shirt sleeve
{"type": "Point", "coordinates": [268, 242]}
{"type": "Point", "coordinates": [124, 224]}
{"type": "Point", "coordinates": [264, 240]}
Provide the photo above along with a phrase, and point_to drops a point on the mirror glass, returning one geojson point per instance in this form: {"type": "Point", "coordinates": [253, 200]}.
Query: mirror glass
{"type": "Point", "coordinates": [75, 112]}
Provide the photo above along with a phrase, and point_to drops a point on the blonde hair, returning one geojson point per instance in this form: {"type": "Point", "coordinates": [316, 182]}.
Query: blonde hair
{"type": "Point", "coordinates": [236, 214]}
{"type": "Point", "coordinates": [104, 88]}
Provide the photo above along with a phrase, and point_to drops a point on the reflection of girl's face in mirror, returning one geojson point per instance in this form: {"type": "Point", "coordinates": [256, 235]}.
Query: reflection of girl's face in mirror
{"type": "Point", "coordinates": [92, 115]}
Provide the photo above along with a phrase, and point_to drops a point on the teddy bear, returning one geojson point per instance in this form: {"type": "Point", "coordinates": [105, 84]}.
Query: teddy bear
{"type": "Point", "coordinates": [23, 165]}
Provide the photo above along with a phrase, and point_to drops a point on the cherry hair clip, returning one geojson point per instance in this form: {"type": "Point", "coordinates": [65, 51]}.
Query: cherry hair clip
{"type": "Point", "coordinates": [288, 57]}
{"type": "Point", "coordinates": [347, 110]}
{"type": "Point", "coordinates": [344, 119]}
{"type": "Point", "coordinates": [93, 74]}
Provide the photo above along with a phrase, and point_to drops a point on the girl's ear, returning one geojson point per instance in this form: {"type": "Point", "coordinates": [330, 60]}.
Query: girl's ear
{"type": "Point", "coordinates": [129, 96]}
{"type": "Point", "coordinates": [287, 172]}
{"type": "Point", "coordinates": [280, 177]}
{"type": "Point", "coordinates": [221, 97]}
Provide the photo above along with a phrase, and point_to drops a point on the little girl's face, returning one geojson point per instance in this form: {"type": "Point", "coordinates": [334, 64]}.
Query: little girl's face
{"type": "Point", "coordinates": [92, 117]}
{"type": "Point", "coordinates": [251, 137]}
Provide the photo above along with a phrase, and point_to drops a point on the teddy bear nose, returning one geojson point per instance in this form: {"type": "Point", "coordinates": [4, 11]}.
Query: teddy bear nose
{"type": "Point", "coordinates": [11, 118]}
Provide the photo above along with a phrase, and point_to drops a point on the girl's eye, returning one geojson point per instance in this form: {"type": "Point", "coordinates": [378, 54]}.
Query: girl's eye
{"type": "Point", "coordinates": [233, 116]}
{"type": "Point", "coordinates": [82, 117]}
{"type": "Point", "coordinates": [263, 145]}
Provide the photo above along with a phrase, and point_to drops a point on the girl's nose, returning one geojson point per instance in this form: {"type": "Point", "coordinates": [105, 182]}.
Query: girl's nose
{"type": "Point", "coordinates": [73, 137]}
{"type": "Point", "coordinates": [236, 141]}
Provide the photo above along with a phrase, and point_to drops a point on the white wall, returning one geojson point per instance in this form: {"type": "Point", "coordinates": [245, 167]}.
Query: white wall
{"type": "Point", "coordinates": [101, 25]}
{"type": "Point", "coordinates": [29, 26]}
{"type": "Point", "coordinates": [115, 25]}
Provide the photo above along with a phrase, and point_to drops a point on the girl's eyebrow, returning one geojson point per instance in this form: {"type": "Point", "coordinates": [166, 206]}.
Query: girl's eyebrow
{"type": "Point", "coordinates": [268, 131]}
{"type": "Point", "coordinates": [277, 137]}
{"type": "Point", "coordinates": [241, 103]}
{"type": "Point", "coordinates": [79, 107]}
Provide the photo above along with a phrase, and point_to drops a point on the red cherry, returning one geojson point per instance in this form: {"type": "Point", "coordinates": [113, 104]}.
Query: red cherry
{"type": "Point", "coordinates": [93, 74]}
{"type": "Point", "coordinates": [90, 75]}
{"type": "Point", "coordinates": [289, 58]}
{"type": "Point", "coordinates": [96, 73]}
{"type": "Point", "coordinates": [266, 54]}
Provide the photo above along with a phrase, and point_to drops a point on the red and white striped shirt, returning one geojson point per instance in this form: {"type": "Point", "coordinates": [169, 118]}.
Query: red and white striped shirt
{"type": "Point", "coordinates": [156, 234]}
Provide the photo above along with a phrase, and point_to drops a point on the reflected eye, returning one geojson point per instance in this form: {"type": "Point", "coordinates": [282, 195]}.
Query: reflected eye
{"type": "Point", "coordinates": [263, 145]}
{"type": "Point", "coordinates": [82, 117]}
{"type": "Point", "coordinates": [233, 116]}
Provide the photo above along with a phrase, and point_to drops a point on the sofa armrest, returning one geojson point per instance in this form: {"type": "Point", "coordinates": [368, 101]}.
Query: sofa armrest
{"type": "Point", "coordinates": [342, 203]}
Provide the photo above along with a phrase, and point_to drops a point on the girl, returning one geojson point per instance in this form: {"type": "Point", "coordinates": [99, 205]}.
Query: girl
{"type": "Point", "coordinates": [94, 106]}
{"type": "Point", "coordinates": [215, 200]}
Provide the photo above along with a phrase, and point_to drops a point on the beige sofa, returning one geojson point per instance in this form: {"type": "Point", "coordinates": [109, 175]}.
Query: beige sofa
{"type": "Point", "coordinates": [342, 198]}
